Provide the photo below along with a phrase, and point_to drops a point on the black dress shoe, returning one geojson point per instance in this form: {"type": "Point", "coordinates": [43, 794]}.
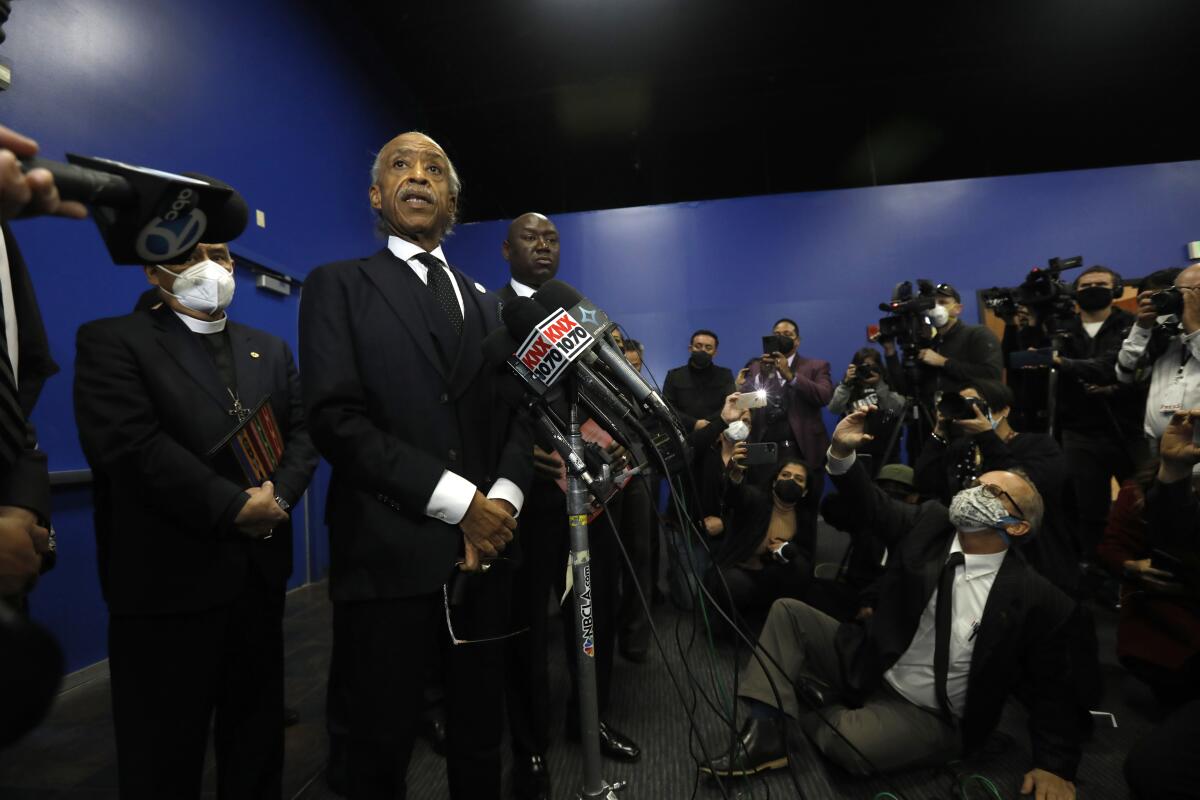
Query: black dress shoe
{"type": "Point", "coordinates": [613, 743]}
{"type": "Point", "coordinates": [531, 778]}
{"type": "Point", "coordinates": [290, 717]}
{"type": "Point", "coordinates": [760, 747]}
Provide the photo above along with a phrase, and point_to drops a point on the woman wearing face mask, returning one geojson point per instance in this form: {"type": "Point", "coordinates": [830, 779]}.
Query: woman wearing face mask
{"type": "Point", "coordinates": [767, 551]}
{"type": "Point", "coordinates": [960, 450]}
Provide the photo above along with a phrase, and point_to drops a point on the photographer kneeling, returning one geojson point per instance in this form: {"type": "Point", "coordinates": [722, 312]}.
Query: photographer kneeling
{"type": "Point", "coordinates": [961, 624]}
{"type": "Point", "coordinates": [767, 551]}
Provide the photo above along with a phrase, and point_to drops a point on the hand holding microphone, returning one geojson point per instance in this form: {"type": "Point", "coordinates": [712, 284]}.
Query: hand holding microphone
{"type": "Point", "coordinates": [33, 193]}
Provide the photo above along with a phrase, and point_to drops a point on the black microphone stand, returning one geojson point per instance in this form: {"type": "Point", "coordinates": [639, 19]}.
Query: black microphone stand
{"type": "Point", "coordinates": [594, 786]}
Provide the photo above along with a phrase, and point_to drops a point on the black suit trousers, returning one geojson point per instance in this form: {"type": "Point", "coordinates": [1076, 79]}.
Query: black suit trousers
{"type": "Point", "coordinates": [386, 647]}
{"type": "Point", "coordinates": [172, 672]}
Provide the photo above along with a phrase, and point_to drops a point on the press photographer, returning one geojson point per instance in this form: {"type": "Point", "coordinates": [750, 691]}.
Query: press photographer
{"type": "Point", "coordinates": [1173, 368]}
{"type": "Point", "coordinates": [936, 362]}
{"type": "Point", "coordinates": [1099, 419]}
{"type": "Point", "coordinates": [864, 387]}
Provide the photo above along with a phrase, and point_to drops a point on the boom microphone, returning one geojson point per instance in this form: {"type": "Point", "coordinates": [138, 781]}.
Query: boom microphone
{"type": "Point", "coordinates": [147, 216]}
{"type": "Point", "coordinates": [555, 294]}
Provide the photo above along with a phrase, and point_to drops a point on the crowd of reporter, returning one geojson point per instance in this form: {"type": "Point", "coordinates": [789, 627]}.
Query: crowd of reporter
{"type": "Point", "coordinates": [1054, 413]}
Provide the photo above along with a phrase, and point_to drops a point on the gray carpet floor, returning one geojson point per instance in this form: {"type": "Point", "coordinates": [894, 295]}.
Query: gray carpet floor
{"type": "Point", "coordinates": [72, 755]}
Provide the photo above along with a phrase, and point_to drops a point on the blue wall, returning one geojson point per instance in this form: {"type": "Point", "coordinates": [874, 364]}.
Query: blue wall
{"type": "Point", "coordinates": [255, 93]}
{"type": "Point", "coordinates": [827, 259]}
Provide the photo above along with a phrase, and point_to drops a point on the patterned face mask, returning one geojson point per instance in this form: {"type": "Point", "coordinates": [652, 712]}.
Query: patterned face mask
{"type": "Point", "coordinates": [979, 509]}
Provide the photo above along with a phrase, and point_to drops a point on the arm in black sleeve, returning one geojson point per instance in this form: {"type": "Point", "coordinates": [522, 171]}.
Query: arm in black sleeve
{"type": "Point", "coordinates": [300, 456]}
{"type": "Point", "coordinates": [515, 462]}
{"type": "Point", "coordinates": [26, 482]}
{"type": "Point", "coordinates": [873, 510]}
{"type": "Point", "coordinates": [983, 359]}
{"type": "Point", "coordinates": [1054, 716]}
{"type": "Point", "coordinates": [121, 435]}
{"type": "Point", "coordinates": [336, 403]}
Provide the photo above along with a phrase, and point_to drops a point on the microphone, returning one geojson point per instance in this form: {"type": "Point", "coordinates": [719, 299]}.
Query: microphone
{"type": "Point", "coordinates": [147, 216]}
{"type": "Point", "coordinates": [554, 294]}
{"type": "Point", "coordinates": [549, 345]}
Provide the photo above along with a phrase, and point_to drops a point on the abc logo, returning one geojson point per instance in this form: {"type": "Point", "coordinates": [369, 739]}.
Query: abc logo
{"type": "Point", "coordinates": [174, 233]}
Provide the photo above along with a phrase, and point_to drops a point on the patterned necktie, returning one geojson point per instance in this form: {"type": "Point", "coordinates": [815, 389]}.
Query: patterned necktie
{"type": "Point", "coordinates": [943, 615]}
{"type": "Point", "coordinates": [443, 292]}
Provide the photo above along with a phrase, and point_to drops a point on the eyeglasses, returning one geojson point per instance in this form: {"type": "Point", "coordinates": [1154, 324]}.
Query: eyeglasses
{"type": "Point", "coordinates": [996, 492]}
{"type": "Point", "coordinates": [458, 575]}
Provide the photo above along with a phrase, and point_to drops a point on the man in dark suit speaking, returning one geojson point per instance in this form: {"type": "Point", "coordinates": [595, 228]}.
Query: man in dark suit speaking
{"type": "Point", "coordinates": [194, 550]}
{"type": "Point", "coordinates": [401, 404]}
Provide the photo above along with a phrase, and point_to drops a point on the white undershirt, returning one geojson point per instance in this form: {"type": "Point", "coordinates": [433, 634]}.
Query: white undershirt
{"type": "Point", "coordinates": [1092, 328]}
{"type": "Point", "coordinates": [453, 494]}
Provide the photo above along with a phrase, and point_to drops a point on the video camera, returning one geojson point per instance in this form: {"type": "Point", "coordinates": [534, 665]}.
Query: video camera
{"type": "Point", "coordinates": [1043, 292]}
{"type": "Point", "coordinates": [908, 316]}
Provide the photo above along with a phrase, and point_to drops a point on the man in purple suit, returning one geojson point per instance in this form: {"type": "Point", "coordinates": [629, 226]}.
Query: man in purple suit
{"type": "Point", "coordinates": [797, 389]}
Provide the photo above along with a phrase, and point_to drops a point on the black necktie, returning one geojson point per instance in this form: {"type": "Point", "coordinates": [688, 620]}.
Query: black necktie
{"type": "Point", "coordinates": [443, 292]}
{"type": "Point", "coordinates": [943, 616]}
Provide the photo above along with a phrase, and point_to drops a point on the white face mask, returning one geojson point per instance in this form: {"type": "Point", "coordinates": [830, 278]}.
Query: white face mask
{"type": "Point", "coordinates": [737, 431]}
{"type": "Point", "coordinates": [206, 287]}
{"type": "Point", "coordinates": [938, 316]}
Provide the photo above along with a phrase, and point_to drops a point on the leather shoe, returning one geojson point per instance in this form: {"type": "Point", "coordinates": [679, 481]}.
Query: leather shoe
{"type": "Point", "coordinates": [760, 747]}
{"type": "Point", "coordinates": [531, 778]}
{"type": "Point", "coordinates": [613, 743]}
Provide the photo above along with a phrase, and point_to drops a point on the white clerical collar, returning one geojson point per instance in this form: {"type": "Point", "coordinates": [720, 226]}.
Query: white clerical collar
{"type": "Point", "coordinates": [521, 289]}
{"type": "Point", "coordinates": [405, 250]}
{"type": "Point", "coordinates": [202, 325]}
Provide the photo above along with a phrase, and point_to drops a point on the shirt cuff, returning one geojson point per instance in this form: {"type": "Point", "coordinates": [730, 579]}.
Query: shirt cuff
{"type": "Point", "coordinates": [504, 489]}
{"type": "Point", "coordinates": [1139, 334]}
{"type": "Point", "coordinates": [838, 466]}
{"type": "Point", "coordinates": [451, 498]}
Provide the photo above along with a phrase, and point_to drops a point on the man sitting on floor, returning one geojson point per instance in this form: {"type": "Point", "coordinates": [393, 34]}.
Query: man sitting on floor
{"type": "Point", "coordinates": [961, 624]}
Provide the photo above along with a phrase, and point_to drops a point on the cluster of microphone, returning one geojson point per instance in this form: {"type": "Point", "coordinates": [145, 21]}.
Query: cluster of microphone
{"type": "Point", "coordinates": [556, 347]}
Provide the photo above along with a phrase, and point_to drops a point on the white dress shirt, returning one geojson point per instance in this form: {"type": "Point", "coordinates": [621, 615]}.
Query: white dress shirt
{"type": "Point", "coordinates": [521, 289]}
{"type": "Point", "coordinates": [1174, 377]}
{"type": "Point", "coordinates": [912, 675]}
{"type": "Point", "coordinates": [204, 326]}
{"type": "Point", "coordinates": [453, 494]}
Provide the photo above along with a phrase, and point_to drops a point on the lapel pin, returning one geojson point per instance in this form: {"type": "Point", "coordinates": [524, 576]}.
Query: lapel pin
{"type": "Point", "coordinates": [482, 290]}
{"type": "Point", "coordinates": [253, 354]}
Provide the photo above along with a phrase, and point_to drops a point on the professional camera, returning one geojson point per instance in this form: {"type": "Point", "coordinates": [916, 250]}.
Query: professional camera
{"type": "Point", "coordinates": [953, 406]}
{"type": "Point", "coordinates": [907, 321]}
{"type": "Point", "coordinates": [1042, 292]}
{"type": "Point", "coordinates": [1168, 301]}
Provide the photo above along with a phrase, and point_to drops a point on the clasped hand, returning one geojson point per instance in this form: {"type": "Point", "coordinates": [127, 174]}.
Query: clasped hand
{"type": "Point", "coordinates": [487, 529]}
{"type": "Point", "coordinates": [261, 514]}
{"type": "Point", "coordinates": [23, 542]}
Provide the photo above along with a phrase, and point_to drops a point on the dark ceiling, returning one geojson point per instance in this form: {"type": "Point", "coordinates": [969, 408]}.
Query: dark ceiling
{"type": "Point", "coordinates": [567, 105]}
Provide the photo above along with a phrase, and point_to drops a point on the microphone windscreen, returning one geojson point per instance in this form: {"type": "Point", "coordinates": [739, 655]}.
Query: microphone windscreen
{"type": "Point", "coordinates": [226, 222]}
{"type": "Point", "coordinates": [521, 315]}
{"type": "Point", "coordinates": [498, 346]}
{"type": "Point", "coordinates": [555, 294]}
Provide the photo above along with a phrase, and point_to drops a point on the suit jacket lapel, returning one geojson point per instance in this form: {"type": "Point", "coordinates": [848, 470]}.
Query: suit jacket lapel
{"type": "Point", "coordinates": [181, 344]}
{"type": "Point", "coordinates": [248, 366]}
{"type": "Point", "coordinates": [384, 270]}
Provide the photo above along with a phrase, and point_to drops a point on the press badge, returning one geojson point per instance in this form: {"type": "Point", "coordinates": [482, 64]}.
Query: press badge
{"type": "Point", "coordinates": [1172, 400]}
